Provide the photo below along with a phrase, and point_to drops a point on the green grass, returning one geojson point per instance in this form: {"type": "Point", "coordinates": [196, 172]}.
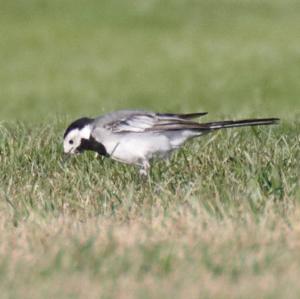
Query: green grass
{"type": "Point", "coordinates": [219, 220]}
{"type": "Point", "coordinates": [223, 56]}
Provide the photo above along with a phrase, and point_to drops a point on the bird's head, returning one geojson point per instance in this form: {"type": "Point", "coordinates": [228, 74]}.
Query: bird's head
{"type": "Point", "coordinates": [75, 134]}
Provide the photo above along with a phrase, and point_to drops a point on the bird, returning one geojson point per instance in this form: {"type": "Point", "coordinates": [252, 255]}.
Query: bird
{"type": "Point", "coordinates": [138, 136]}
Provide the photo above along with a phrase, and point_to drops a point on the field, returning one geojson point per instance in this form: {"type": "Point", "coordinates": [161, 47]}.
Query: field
{"type": "Point", "coordinates": [220, 219]}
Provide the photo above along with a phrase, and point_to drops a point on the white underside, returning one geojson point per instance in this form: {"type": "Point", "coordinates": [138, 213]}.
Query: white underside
{"type": "Point", "coordinates": [136, 148]}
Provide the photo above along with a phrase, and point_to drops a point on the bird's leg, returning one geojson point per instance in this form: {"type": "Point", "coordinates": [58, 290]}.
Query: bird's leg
{"type": "Point", "coordinates": [144, 170]}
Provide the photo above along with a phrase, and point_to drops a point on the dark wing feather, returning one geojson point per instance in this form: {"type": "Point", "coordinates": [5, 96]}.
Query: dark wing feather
{"type": "Point", "coordinates": [182, 116]}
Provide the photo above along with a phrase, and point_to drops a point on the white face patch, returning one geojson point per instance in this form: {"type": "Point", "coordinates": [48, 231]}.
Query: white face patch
{"type": "Point", "coordinates": [73, 140]}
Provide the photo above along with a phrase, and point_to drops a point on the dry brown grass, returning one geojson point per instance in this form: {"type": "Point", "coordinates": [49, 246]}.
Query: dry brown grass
{"type": "Point", "coordinates": [189, 254]}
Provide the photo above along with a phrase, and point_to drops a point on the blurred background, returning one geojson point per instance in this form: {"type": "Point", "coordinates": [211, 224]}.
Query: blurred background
{"type": "Point", "coordinates": [63, 58]}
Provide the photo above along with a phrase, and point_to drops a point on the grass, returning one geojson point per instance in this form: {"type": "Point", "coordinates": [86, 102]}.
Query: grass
{"type": "Point", "coordinates": [219, 220]}
{"type": "Point", "coordinates": [221, 217]}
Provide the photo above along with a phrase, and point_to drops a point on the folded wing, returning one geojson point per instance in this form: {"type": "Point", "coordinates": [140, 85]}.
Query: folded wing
{"type": "Point", "coordinates": [153, 122]}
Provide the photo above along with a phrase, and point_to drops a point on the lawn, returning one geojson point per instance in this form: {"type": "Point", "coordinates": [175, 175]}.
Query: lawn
{"type": "Point", "coordinates": [220, 219]}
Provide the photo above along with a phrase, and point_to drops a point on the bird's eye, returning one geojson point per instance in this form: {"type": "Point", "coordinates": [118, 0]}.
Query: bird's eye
{"type": "Point", "coordinates": [71, 141]}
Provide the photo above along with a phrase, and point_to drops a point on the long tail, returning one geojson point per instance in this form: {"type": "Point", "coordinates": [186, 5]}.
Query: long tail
{"type": "Point", "coordinates": [239, 123]}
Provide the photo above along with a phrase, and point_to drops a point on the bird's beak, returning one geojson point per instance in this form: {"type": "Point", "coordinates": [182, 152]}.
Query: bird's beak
{"type": "Point", "coordinates": [70, 152]}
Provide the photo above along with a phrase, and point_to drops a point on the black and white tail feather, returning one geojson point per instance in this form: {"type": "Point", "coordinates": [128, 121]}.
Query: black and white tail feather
{"type": "Point", "coordinates": [135, 137]}
{"type": "Point", "coordinates": [240, 123]}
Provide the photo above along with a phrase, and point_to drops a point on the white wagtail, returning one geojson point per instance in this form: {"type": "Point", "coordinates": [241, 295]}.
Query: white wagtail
{"type": "Point", "coordinates": [135, 136]}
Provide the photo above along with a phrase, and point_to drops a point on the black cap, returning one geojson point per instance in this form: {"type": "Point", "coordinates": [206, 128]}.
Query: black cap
{"type": "Point", "coordinates": [78, 124]}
